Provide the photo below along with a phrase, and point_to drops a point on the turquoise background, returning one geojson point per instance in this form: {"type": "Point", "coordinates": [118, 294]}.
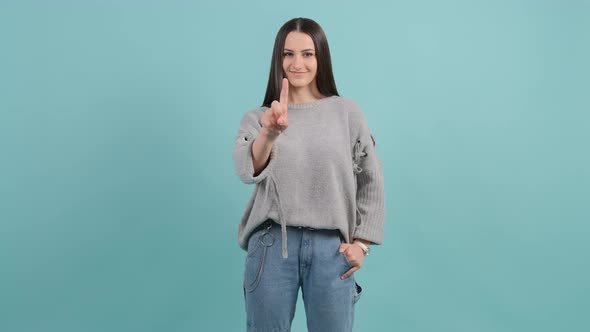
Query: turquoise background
{"type": "Point", "coordinates": [119, 204]}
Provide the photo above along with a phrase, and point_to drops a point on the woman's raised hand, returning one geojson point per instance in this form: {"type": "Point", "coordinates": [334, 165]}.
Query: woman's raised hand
{"type": "Point", "coordinates": [274, 120]}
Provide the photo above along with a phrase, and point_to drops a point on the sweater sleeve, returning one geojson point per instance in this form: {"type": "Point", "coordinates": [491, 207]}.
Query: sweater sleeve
{"type": "Point", "coordinates": [242, 154]}
{"type": "Point", "coordinates": [370, 200]}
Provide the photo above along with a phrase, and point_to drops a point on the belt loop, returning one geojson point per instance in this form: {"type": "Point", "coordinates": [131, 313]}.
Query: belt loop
{"type": "Point", "coordinates": [267, 225]}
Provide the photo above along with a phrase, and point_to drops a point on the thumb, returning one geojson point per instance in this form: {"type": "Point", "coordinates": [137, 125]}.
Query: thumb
{"type": "Point", "coordinates": [343, 247]}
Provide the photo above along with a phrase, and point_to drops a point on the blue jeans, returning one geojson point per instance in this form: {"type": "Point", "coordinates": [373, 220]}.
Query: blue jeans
{"type": "Point", "coordinates": [271, 282]}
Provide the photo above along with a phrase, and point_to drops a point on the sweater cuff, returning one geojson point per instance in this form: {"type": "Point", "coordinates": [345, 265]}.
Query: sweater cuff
{"type": "Point", "coordinates": [371, 233]}
{"type": "Point", "coordinates": [370, 207]}
{"type": "Point", "coordinates": [247, 168]}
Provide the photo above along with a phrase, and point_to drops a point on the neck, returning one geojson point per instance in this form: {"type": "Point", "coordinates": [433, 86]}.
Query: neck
{"type": "Point", "coordinates": [304, 94]}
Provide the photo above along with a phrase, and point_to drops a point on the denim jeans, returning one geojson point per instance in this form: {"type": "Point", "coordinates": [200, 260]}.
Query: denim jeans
{"type": "Point", "coordinates": [271, 282]}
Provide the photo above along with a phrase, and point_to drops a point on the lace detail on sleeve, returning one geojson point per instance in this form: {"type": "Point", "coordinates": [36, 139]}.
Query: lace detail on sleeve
{"type": "Point", "coordinates": [358, 154]}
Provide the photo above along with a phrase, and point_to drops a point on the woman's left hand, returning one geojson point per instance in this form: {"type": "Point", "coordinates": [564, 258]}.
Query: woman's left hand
{"type": "Point", "coordinates": [354, 255]}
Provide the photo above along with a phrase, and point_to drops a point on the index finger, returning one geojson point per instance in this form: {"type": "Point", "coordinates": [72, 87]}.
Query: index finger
{"type": "Point", "coordinates": [284, 99]}
{"type": "Point", "coordinates": [349, 272]}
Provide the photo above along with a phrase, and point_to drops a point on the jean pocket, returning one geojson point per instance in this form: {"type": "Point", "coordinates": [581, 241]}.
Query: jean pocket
{"type": "Point", "coordinates": [346, 262]}
{"type": "Point", "coordinates": [357, 292]}
{"type": "Point", "coordinates": [343, 255]}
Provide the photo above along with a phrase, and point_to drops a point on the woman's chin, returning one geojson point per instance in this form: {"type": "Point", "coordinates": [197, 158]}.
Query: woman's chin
{"type": "Point", "coordinates": [298, 83]}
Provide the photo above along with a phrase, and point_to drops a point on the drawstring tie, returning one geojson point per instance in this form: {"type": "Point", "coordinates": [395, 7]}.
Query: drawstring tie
{"type": "Point", "coordinates": [283, 223]}
{"type": "Point", "coordinates": [284, 238]}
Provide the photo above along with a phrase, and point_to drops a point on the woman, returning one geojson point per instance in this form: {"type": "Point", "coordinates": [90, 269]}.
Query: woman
{"type": "Point", "coordinates": [319, 185]}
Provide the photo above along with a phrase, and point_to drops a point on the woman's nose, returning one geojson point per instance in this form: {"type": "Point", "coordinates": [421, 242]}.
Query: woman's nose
{"type": "Point", "coordinates": [298, 61]}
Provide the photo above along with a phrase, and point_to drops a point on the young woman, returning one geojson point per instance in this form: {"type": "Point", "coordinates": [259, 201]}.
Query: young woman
{"type": "Point", "coordinates": [319, 185]}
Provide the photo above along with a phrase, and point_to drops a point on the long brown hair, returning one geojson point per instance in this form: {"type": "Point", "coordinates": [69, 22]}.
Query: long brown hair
{"type": "Point", "coordinates": [324, 74]}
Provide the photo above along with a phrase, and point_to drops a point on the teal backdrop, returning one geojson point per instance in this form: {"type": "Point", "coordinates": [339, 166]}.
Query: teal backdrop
{"type": "Point", "coordinates": [119, 204]}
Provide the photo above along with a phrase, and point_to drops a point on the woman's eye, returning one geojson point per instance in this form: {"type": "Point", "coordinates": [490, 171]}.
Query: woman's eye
{"type": "Point", "coordinates": [306, 54]}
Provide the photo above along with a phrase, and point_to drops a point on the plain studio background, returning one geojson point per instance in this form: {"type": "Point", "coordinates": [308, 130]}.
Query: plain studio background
{"type": "Point", "coordinates": [119, 204]}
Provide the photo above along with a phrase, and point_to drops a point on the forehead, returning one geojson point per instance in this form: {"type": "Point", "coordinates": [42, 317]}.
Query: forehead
{"type": "Point", "coordinates": [297, 41]}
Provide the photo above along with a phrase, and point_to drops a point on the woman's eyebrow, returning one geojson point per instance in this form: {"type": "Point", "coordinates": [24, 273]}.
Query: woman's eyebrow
{"type": "Point", "coordinates": [309, 49]}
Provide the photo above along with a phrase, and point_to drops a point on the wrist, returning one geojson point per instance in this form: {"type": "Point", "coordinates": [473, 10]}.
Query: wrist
{"type": "Point", "coordinates": [269, 135]}
{"type": "Point", "coordinates": [364, 247]}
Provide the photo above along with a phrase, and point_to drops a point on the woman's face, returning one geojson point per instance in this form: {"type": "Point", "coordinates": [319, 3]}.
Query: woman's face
{"type": "Point", "coordinates": [299, 61]}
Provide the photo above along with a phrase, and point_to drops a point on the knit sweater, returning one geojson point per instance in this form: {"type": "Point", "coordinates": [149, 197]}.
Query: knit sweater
{"type": "Point", "coordinates": [323, 172]}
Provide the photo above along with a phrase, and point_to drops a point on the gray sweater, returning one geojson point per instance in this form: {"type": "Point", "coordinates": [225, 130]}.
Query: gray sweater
{"type": "Point", "coordinates": [323, 172]}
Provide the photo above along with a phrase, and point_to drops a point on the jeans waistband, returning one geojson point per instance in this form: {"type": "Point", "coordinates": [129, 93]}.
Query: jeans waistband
{"type": "Point", "coordinates": [270, 222]}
